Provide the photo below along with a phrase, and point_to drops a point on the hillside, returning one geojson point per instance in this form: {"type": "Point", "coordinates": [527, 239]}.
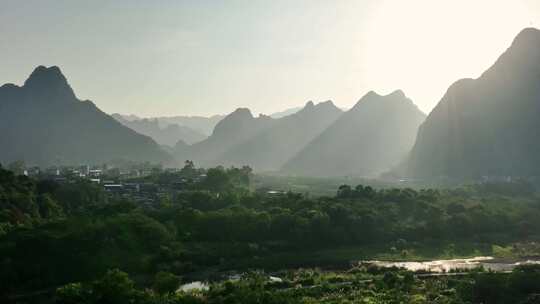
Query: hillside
{"type": "Point", "coordinates": [201, 124]}
{"type": "Point", "coordinates": [376, 134]}
{"type": "Point", "coordinates": [44, 123]}
{"type": "Point", "coordinates": [271, 148]}
{"type": "Point", "coordinates": [285, 112]}
{"type": "Point", "coordinates": [167, 135]}
{"type": "Point", "coordinates": [486, 126]}
{"type": "Point", "coordinates": [232, 130]}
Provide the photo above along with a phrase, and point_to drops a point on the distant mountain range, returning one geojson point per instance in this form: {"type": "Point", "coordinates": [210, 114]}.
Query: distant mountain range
{"type": "Point", "coordinates": [291, 111]}
{"type": "Point", "coordinates": [286, 112]}
{"type": "Point", "coordinates": [169, 130]}
{"type": "Point", "coordinates": [481, 127]}
{"type": "Point", "coordinates": [376, 134]}
{"type": "Point", "coordinates": [232, 130]}
{"type": "Point", "coordinates": [488, 126]}
{"type": "Point", "coordinates": [201, 124]}
{"type": "Point", "coordinates": [271, 148]}
{"type": "Point", "coordinates": [43, 123]}
{"type": "Point", "coordinates": [316, 140]}
{"type": "Point", "coordinates": [167, 135]}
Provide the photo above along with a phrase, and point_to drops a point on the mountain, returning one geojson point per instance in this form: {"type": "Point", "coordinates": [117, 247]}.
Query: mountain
{"type": "Point", "coordinates": [128, 117]}
{"type": "Point", "coordinates": [271, 148]}
{"type": "Point", "coordinates": [291, 111]}
{"type": "Point", "coordinates": [370, 138]}
{"type": "Point", "coordinates": [168, 135]}
{"type": "Point", "coordinates": [43, 123]}
{"type": "Point", "coordinates": [487, 126]}
{"type": "Point", "coordinates": [201, 124]}
{"type": "Point", "coordinates": [232, 130]}
{"type": "Point", "coordinates": [285, 112]}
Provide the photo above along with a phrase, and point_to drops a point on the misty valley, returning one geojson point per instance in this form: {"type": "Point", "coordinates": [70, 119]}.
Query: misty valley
{"type": "Point", "coordinates": [377, 202]}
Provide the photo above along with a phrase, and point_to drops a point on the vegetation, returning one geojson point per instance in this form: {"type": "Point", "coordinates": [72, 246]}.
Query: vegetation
{"type": "Point", "coordinates": [68, 238]}
{"type": "Point", "coordinates": [358, 285]}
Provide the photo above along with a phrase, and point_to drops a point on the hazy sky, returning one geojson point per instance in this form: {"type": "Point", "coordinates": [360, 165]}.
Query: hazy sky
{"type": "Point", "coordinates": [206, 57]}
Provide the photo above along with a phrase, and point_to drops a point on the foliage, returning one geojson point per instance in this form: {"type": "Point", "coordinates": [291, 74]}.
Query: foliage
{"type": "Point", "coordinates": [315, 286]}
{"type": "Point", "coordinates": [218, 224]}
{"type": "Point", "coordinates": [166, 282]}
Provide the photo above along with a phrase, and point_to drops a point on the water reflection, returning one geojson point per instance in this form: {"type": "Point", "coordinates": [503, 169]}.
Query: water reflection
{"type": "Point", "coordinates": [438, 266]}
{"type": "Point", "coordinates": [192, 286]}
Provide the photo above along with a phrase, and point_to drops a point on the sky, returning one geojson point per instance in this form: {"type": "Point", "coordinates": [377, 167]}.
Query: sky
{"type": "Point", "coordinates": [204, 57]}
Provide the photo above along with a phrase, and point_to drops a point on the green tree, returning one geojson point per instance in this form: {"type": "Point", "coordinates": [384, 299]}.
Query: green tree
{"type": "Point", "coordinates": [165, 282]}
{"type": "Point", "coordinates": [217, 180]}
{"type": "Point", "coordinates": [48, 207]}
{"type": "Point", "coordinates": [115, 287]}
{"type": "Point", "coordinates": [73, 293]}
{"type": "Point", "coordinates": [17, 167]}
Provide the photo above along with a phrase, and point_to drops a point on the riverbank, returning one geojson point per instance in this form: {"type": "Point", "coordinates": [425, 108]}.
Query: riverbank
{"type": "Point", "coordinates": [343, 258]}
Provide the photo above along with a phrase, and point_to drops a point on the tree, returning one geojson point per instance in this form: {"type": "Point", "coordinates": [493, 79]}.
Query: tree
{"type": "Point", "coordinates": [73, 293]}
{"type": "Point", "coordinates": [166, 282]}
{"type": "Point", "coordinates": [114, 287]}
{"type": "Point", "coordinates": [344, 191]}
{"type": "Point", "coordinates": [217, 180]}
{"type": "Point", "coordinates": [525, 279]}
{"type": "Point", "coordinates": [48, 207]}
{"type": "Point", "coordinates": [17, 167]}
{"type": "Point", "coordinates": [189, 169]}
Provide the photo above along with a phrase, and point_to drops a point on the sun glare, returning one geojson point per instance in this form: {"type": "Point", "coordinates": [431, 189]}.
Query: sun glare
{"type": "Point", "coordinates": [423, 46]}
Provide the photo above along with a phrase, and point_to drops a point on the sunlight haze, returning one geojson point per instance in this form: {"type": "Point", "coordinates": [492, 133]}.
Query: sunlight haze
{"type": "Point", "coordinates": [168, 58]}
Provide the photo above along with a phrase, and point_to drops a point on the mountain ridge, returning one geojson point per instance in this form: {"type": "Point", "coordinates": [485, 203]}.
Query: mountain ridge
{"type": "Point", "coordinates": [228, 132]}
{"type": "Point", "coordinates": [485, 126]}
{"type": "Point", "coordinates": [44, 123]}
{"type": "Point", "coordinates": [167, 135]}
{"type": "Point", "coordinates": [271, 148]}
{"type": "Point", "coordinates": [358, 143]}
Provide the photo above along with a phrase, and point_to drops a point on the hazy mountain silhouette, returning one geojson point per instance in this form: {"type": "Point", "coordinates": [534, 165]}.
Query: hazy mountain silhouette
{"type": "Point", "coordinates": [201, 124]}
{"type": "Point", "coordinates": [128, 117]}
{"type": "Point", "coordinates": [374, 135]}
{"type": "Point", "coordinates": [486, 126]}
{"type": "Point", "coordinates": [229, 132]}
{"type": "Point", "coordinates": [271, 148]}
{"type": "Point", "coordinates": [285, 112]}
{"type": "Point", "coordinates": [44, 123]}
{"type": "Point", "coordinates": [168, 135]}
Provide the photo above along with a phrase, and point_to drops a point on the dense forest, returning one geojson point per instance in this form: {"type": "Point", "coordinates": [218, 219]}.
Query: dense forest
{"type": "Point", "coordinates": [55, 233]}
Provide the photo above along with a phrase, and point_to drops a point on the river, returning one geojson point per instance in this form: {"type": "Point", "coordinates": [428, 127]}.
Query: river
{"type": "Point", "coordinates": [439, 266]}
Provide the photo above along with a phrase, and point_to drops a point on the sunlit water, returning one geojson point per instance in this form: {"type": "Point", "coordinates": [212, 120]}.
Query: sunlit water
{"type": "Point", "coordinates": [204, 286]}
{"type": "Point", "coordinates": [439, 266]}
{"type": "Point", "coordinates": [197, 285]}
{"type": "Point", "coordinates": [436, 266]}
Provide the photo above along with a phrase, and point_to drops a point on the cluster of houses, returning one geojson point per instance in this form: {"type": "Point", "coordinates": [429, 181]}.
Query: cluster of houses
{"type": "Point", "coordinates": [137, 184]}
{"type": "Point", "coordinates": [115, 181]}
{"type": "Point", "coordinates": [128, 183]}
{"type": "Point", "coordinates": [86, 171]}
